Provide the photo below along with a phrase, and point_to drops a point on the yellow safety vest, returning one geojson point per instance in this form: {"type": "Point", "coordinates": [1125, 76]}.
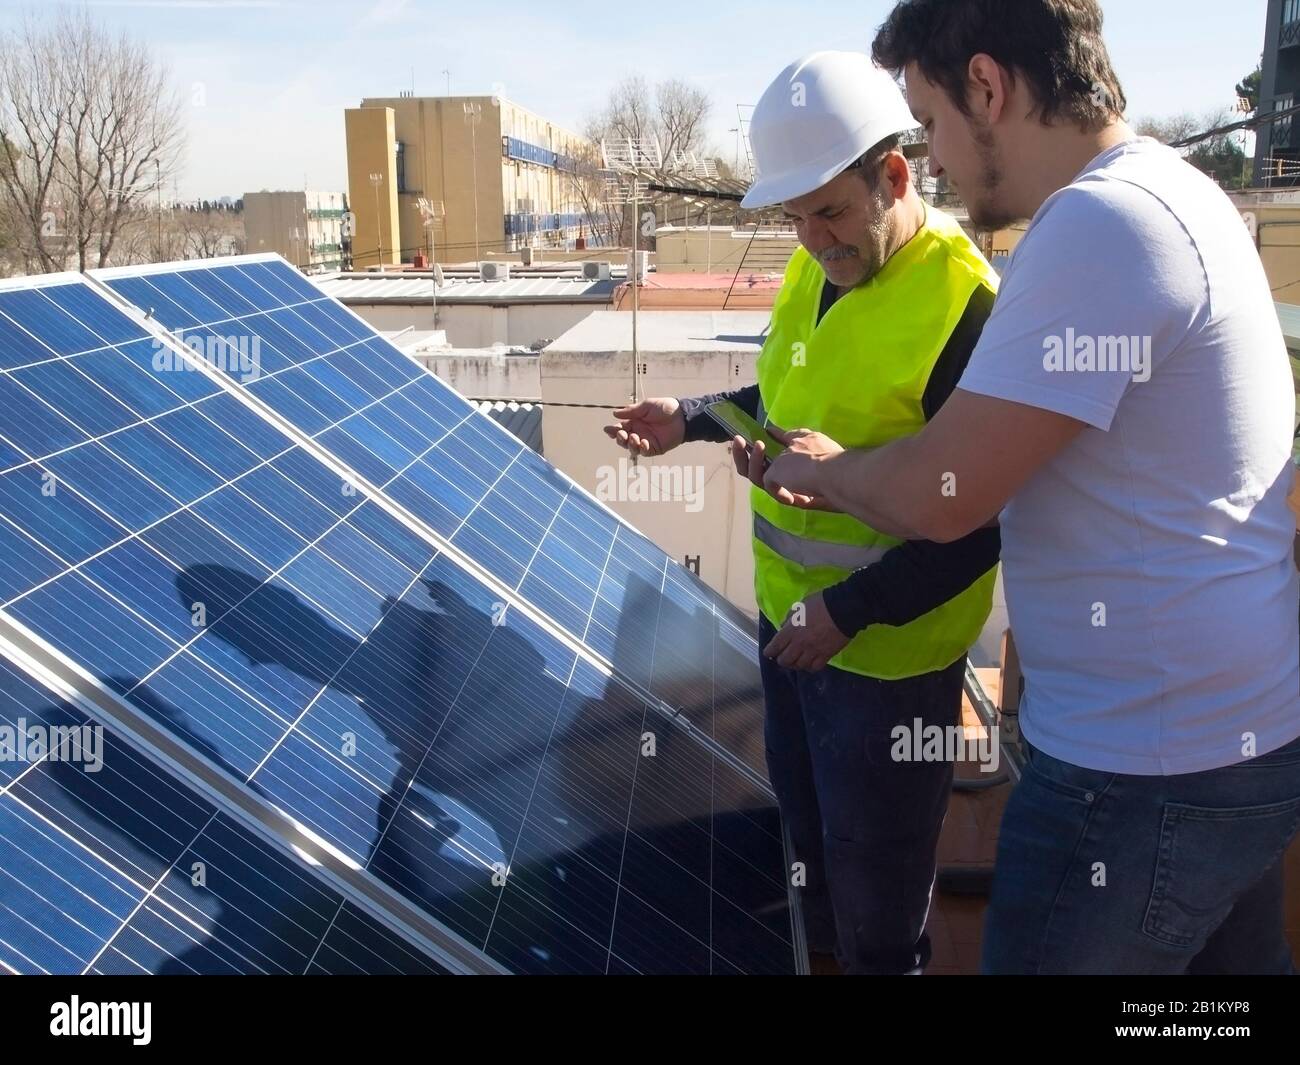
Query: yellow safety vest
{"type": "Point", "coordinates": [859, 377]}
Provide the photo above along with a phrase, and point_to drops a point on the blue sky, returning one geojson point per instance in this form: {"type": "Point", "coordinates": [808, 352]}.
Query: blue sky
{"type": "Point", "coordinates": [265, 82]}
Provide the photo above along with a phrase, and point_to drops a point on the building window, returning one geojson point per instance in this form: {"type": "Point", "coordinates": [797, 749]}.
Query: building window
{"type": "Point", "coordinates": [1282, 127]}
{"type": "Point", "coordinates": [1290, 11]}
{"type": "Point", "coordinates": [401, 167]}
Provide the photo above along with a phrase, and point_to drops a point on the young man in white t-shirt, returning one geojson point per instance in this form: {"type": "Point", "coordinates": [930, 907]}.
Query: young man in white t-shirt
{"type": "Point", "coordinates": [1128, 413]}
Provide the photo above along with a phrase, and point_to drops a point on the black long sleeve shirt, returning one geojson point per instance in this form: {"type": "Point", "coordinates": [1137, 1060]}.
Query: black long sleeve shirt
{"type": "Point", "coordinates": [917, 576]}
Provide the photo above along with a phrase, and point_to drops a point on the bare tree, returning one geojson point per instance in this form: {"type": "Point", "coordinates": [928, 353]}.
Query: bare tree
{"type": "Point", "coordinates": [148, 235]}
{"type": "Point", "coordinates": [211, 232]}
{"type": "Point", "coordinates": [673, 112]}
{"type": "Point", "coordinates": [90, 129]}
{"type": "Point", "coordinates": [629, 112]}
{"type": "Point", "coordinates": [588, 184]}
{"type": "Point", "coordinates": [1167, 130]}
{"type": "Point", "coordinates": [1220, 156]}
{"type": "Point", "coordinates": [32, 136]}
{"type": "Point", "coordinates": [682, 113]}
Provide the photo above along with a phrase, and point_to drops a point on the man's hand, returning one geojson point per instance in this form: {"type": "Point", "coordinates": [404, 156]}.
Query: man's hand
{"type": "Point", "coordinates": [794, 476]}
{"type": "Point", "coordinates": [651, 427]}
{"type": "Point", "coordinates": [811, 645]}
{"type": "Point", "coordinates": [751, 462]}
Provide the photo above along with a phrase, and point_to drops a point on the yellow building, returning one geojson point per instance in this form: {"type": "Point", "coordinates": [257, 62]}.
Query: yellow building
{"type": "Point", "coordinates": [306, 227]}
{"type": "Point", "coordinates": [1274, 221]}
{"type": "Point", "coordinates": [503, 177]}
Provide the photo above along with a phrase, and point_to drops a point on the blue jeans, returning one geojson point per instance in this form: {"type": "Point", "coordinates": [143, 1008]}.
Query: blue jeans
{"type": "Point", "coordinates": [863, 825]}
{"type": "Point", "coordinates": [1108, 873]}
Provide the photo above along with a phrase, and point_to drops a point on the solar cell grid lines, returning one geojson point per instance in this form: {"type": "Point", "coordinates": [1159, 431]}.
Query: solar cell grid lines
{"type": "Point", "coordinates": [495, 501]}
{"type": "Point", "coordinates": [235, 581]}
{"type": "Point", "coordinates": [130, 870]}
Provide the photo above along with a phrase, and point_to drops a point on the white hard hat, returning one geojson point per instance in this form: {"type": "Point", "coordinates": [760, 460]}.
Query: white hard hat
{"type": "Point", "coordinates": [820, 114]}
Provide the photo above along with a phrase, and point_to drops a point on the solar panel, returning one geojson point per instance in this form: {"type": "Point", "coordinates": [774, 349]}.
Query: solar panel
{"type": "Point", "coordinates": [331, 376]}
{"type": "Point", "coordinates": [117, 866]}
{"type": "Point", "coordinates": [326, 657]}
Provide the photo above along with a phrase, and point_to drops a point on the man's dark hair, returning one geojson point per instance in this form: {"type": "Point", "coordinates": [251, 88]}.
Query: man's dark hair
{"type": "Point", "coordinates": [1054, 45]}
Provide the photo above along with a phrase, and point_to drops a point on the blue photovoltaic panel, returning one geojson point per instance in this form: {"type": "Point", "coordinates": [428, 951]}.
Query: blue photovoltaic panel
{"type": "Point", "coordinates": [243, 596]}
{"type": "Point", "coordinates": [111, 864]}
{"type": "Point", "coordinates": [378, 411]}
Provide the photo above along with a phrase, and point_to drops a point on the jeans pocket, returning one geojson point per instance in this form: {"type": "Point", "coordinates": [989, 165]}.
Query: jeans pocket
{"type": "Point", "coordinates": [1207, 857]}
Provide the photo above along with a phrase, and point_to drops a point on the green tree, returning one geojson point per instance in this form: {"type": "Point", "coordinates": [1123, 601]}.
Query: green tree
{"type": "Point", "coordinates": [1220, 156]}
{"type": "Point", "coordinates": [1248, 88]}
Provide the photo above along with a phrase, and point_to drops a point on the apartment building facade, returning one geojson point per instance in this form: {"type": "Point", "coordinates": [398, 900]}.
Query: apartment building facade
{"type": "Point", "coordinates": [458, 178]}
{"type": "Point", "coordinates": [1277, 143]}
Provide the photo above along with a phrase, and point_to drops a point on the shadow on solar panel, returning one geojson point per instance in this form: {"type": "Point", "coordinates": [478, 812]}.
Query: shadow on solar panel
{"type": "Point", "coordinates": [381, 756]}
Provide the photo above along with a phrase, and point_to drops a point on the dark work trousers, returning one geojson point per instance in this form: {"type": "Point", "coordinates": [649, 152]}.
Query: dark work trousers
{"type": "Point", "coordinates": [864, 825]}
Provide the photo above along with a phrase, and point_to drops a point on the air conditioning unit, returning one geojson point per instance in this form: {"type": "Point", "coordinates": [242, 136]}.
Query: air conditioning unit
{"type": "Point", "coordinates": [595, 271]}
{"type": "Point", "coordinates": [493, 271]}
{"type": "Point", "coordinates": [642, 265]}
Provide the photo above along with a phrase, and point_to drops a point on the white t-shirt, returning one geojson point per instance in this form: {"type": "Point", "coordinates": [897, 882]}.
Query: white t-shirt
{"type": "Point", "coordinates": [1148, 568]}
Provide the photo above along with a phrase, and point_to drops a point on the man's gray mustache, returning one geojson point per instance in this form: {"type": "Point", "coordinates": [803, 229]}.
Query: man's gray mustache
{"type": "Point", "coordinates": [836, 254]}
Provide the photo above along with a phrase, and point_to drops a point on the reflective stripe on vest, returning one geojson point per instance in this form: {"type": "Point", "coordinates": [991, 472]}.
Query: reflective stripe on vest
{"type": "Point", "coordinates": [812, 553]}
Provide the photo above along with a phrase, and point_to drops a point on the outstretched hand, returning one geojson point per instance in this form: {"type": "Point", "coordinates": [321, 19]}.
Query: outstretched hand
{"type": "Point", "coordinates": [651, 427]}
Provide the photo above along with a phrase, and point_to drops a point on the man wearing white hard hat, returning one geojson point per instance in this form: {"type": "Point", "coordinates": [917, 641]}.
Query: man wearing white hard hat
{"type": "Point", "coordinates": [863, 635]}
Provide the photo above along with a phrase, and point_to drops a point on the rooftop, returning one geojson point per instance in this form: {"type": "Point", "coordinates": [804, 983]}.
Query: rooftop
{"type": "Point", "coordinates": [524, 420]}
{"type": "Point", "coordinates": [666, 331]}
{"type": "Point", "coordinates": [410, 286]}
{"type": "Point", "coordinates": [701, 291]}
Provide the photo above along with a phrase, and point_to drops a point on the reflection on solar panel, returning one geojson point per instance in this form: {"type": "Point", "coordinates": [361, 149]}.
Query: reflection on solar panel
{"type": "Point", "coordinates": [126, 869]}
{"type": "Point", "coordinates": [331, 376]}
{"type": "Point", "coordinates": [357, 721]}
